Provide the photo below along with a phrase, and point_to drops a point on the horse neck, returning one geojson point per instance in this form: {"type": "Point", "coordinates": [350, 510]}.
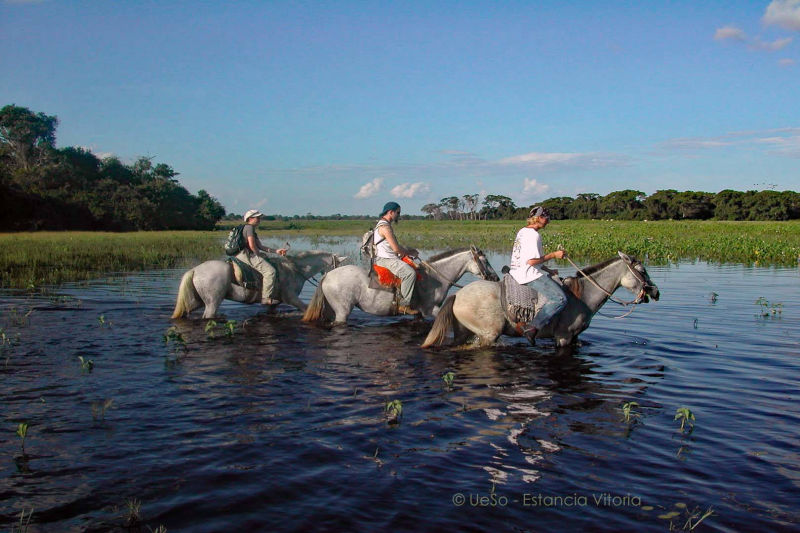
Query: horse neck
{"type": "Point", "coordinates": [310, 264]}
{"type": "Point", "coordinates": [609, 278]}
{"type": "Point", "coordinates": [451, 268]}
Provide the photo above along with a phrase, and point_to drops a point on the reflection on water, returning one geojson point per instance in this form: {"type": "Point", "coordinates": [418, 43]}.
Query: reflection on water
{"type": "Point", "coordinates": [281, 426]}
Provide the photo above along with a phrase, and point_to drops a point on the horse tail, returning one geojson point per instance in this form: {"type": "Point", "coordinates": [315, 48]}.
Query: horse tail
{"type": "Point", "coordinates": [442, 324]}
{"type": "Point", "coordinates": [316, 307]}
{"type": "Point", "coordinates": [188, 299]}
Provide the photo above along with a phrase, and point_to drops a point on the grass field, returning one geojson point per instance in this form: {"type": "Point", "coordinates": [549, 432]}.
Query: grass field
{"type": "Point", "coordinates": [29, 260]}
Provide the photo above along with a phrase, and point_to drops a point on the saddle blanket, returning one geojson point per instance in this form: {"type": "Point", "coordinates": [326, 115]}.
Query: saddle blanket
{"type": "Point", "coordinates": [244, 274]}
{"type": "Point", "coordinates": [519, 302]}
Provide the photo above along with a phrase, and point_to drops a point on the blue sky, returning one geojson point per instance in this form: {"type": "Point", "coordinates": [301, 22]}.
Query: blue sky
{"type": "Point", "coordinates": [338, 107]}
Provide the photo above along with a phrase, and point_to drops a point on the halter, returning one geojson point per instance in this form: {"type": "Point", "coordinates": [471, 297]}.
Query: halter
{"type": "Point", "coordinates": [484, 274]}
{"type": "Point", "coordinates": [639, 278]}
{"type": "Point", "coordinates": [313, 279]}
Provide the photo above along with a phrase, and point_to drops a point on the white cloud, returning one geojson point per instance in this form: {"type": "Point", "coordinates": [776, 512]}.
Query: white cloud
{"type": "Point", "coordinates": [533, 187]}
{"type": "Point", "coordinates": [786, 62]}
{"type": "Point", "coordinates": [785, 141]}
{"type": "Point", "coordinates": [370, 189]}
{"type": "Point", "coordinates": [732, 33]}
{"type": "Point", "coordinates": [783, 13]}
{"type": "Point", "coordinates": [538, 158]}
{"type": "Point", "coordinates": [410, 190]}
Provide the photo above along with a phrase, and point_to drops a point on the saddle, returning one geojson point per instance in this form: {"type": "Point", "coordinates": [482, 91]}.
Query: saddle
{"type": "Point", "coordinates": [381, 278]}
{"type": "Point", "coordinates": [520, 303]}
{"type": "Point", "coordinates": [248, 277]}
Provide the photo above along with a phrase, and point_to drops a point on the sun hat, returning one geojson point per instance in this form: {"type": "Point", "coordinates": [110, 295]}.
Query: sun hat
{"type": "Point", "coordinates": [539, 211]}
{"type": "Point", "coordinates": [252, 213]}
{"type": "Point", "coordinates": [390, 206]}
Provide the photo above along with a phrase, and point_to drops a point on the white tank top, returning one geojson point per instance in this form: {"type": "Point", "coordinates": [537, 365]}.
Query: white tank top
{"type": "Point", "coordinates": [382, 248]}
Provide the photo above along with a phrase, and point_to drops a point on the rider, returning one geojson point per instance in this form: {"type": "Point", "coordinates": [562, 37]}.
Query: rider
{"type": "Point", "coordinates": [250, 254]}
{"type": "Point", "coordinates": [526, 258]}
{"type": "Point", "coordinates": [389, 254]}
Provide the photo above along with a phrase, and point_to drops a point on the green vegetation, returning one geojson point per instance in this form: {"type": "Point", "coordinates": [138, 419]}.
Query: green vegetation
{"type": "Point", "coordinates": [44, 187]}
{"type": "Point", "coordinates": [22, 432]}
{"type": "Point", "coordinates": [86, 365]}
{"type": "Point", "coordinates": [768, 308]}
{"type": "Point", "coordinates": [393, 411]}
{"type": "Point", "coordinates": [448, 377]}
{"type": "Point", "coordinates": [629, 413]}
{"type": "Point", "coordinates": [44, 258]}
{"type": "Point", "coordinates": [686, 416]}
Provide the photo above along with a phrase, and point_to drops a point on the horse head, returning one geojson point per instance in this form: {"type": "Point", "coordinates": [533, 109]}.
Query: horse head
{"type": "Point", "coordinates": [483, 269]}
{"type": "Point", "coordinates": [637, 280]}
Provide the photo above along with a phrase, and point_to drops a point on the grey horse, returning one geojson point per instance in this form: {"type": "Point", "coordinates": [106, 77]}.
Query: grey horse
{"type": "Point", "coordinates": [210, 283]}
{"type": "Point", "coordinates": [476, 309]}
{"type": "Point", "coordinates": [344, 288]}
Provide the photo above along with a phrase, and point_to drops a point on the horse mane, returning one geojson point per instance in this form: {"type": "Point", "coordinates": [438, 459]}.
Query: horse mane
{"type": "Point", "coordinates": [447, 254]}
{"type": "Point", "coordinates": [594, 268]}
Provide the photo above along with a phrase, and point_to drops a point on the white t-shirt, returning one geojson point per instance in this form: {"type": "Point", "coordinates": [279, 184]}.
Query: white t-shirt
{"type": "Point", "coordinates": [527, 245]}
{"type": "Point", "coordinates": [382, 247]}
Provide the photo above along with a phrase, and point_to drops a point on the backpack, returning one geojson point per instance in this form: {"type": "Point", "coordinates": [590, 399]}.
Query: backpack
{"type": "Point", "coordinates": [235, 241]}
{"type": "Point", "coordinates": [368, 246]}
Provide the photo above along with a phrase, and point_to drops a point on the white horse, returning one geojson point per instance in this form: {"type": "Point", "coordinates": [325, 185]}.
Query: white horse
{"type": "Point", "coordinates": [211, 282]}
{"type": "Point", "coordinates": [476, 309]}
{"type": "Point", "coordinates": [344, 288]}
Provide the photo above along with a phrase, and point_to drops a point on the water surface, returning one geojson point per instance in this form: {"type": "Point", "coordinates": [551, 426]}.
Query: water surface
{"type": "Point", "coordinates": [281, 427]}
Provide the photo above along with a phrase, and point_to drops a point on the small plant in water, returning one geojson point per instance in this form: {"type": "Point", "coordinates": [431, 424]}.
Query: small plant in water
{"type": "Point", "coordinates": [101, 319]}
{"type": "Point", "coordinates": [393, 411]}
{"type": "Point", "coordinates": [22, 432]}
{"type": "Point", "coordinates": [133, 517]}
{"type": "Point", "coordinates": [713, 297]}
{"type": "Point", "coordinates": [686, 416]}
{"type": "Point", "coordinates": [230, 328]}
{"type": "Point", "coordinates": [23, 524]}
{"type": "Point", "coordinates": [628, 412]}
{"type": "Point", "coordinates": [99, 409]}
{"type": "Point", "coordinates": [210, 325]}
{"type": "Point", "coordinates": [86, 364]}
{"type": "Point", "coordinates": [448, 377]}
{"type": "Point", "coordinates": [175, 337]}
{"type": "Point", "coordinates": [769, 309]}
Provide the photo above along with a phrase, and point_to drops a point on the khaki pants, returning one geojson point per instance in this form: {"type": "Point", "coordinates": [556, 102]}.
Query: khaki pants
{"type": "Point", "coordinates": [266, 270]}
{"type": "Point", "coordinates": [406, 273]}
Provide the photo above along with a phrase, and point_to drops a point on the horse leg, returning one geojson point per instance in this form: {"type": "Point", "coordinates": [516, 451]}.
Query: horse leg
{"type": "Point", "coordinates": [212, 295]}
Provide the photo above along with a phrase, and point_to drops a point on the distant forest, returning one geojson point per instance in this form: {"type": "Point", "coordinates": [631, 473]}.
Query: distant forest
{"type": "Point", "coordinates": [44, 187]}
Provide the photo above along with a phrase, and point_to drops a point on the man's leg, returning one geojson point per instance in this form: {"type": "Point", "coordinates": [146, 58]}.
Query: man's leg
{"type": "Point", "coordinates": [555, 301]}
{"type": "Point", "coordinates": [267, 272]}
{"type": "Point", "coordinates": [408, 277]}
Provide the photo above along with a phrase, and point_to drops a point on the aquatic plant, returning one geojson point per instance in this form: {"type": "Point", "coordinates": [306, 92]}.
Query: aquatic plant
{"type": "Point", "coordinates": [448, 377]}
{"type": "Point", "coordinates": [22, 432]}
{"type": "Point", "coordinates": [628, 412]}
{"type": "Point", "coordinates": [693, 517]}
{"type": "Point", "coordinates": [101, 319]}
{"type": "Point", "coordinates": [393, 411]}
{"type": "Point", "coordinates": [768, 309]}
{"type": "Point", "coordinates": [99, 408]}
{"type": "Point", "coordinates": [210, 325]}
{"type": "Point", "coordinates": [230, 328]}
{"type": "Point", "coordinates": [22, 527]}
{"type": "Point", "coordinates": [133, 518]}
{"type": "Point", "coordinates": [175, 338]}
{"type": "Point", "coordinates": [713, 297]}
{"type": "Point", "coordinates": [686, 416]}
{"type": "Point", "coordinates": [18, 317]}
{"type": "Point", "coordinates": [86, 364]}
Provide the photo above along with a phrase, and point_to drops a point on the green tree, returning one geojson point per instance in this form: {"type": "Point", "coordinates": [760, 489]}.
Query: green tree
{"type": "Point", "coordinates": [26, 137]}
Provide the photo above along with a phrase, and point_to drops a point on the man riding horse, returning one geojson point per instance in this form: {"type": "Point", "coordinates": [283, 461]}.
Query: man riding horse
{"type": "Point", "coordinates": [251, 254]}
{"type": "Point", "coordinates": [389, 254]}
{"type": "Point", "coordinates": [527, 268]}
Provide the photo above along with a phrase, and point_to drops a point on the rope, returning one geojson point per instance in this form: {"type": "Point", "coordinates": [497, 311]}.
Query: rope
{"type": "Point", "coordinates": [438, 274]}
{"type": "Point", "coordinates": [610, 296]}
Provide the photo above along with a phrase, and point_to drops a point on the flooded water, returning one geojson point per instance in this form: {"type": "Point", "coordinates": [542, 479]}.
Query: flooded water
{"type": "Point", "coordinates": [280, 426]}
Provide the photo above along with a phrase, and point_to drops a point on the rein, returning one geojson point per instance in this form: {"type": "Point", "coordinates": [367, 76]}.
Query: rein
{"type": "Point", "coordinates": [313, 279]}
{"type": "Point", "coordinates": [475, 256]}
{"type": "Point", "coordinates": [635, 302]}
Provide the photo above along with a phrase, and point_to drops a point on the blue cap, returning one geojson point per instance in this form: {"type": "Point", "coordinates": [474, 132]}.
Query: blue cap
{"type": "Point", "coordinates": [390, 206]}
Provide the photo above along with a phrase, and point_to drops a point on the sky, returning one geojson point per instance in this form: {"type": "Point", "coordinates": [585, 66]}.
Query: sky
{"type": "Point", "coordinates": [338, 107]}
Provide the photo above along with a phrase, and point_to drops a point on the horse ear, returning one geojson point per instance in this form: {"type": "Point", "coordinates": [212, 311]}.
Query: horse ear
{"type": "Point", "coordinates": [625, 257]}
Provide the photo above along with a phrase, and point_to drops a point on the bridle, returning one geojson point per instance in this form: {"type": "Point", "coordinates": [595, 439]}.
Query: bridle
{"type": "Point", "coordinates": [476, 256]}
{"type": "Point", "coordinates": [639, 277]}
{"type": "Point", "coordinates": [335, 263]}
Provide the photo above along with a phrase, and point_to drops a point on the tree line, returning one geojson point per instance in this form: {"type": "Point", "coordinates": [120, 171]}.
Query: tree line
{"type": "Point", "coordinates": [45, 187]}
{"type": "Point", "coordinates": [630, 205]}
